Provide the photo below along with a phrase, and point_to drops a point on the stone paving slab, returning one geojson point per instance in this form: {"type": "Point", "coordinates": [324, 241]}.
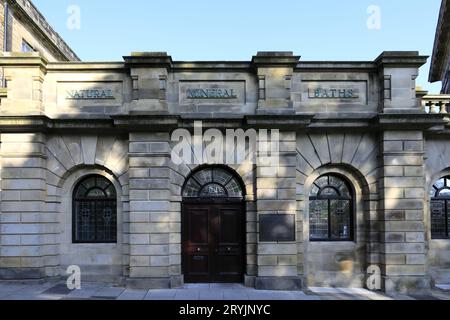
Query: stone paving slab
{"type": "Point", "coordinates": [192, 292]}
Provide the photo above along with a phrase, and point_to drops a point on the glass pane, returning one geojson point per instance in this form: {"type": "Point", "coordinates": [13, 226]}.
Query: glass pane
{"type": "Point", "coordinates": [81, 192]}
{"type": "Point", "coordinates": [314, 191]}
{"type": "Point", "coordinates": [89, 183]}
{"type": "Point", "coordinates": [106, 221]}
{"type": "Point", "coordinates": [102, 182]}
{"type": "Point", "coordinates": [433, 192]}
{"type": "Point", "coordinates": [221, 176]}
{"type": "Point", "coordinates": [85, 221]}
{"type": "Point", "coordinates": [318, 219]}
{"type": "Point", "coordinates": [444, 193]}
{"type": "Point", "coordinates": [345, 193]}
{"type": "Point", "coordinates": [340, 219]}
{"type": "Point", "coordinates": [233, 188]}
{"type": "Point", "coordinates": [438, 228]}
{"type": "Point", "coordinates": [336, 182]}
{"type": "Point", "coordinates": [204, 176]}
{"type": "Point", "coordinates": [96, 193]}
{"type": "Point", "coordinates": [111, 192]}
{"type": "Point", "coordinates": [329, 192]}
{"type": "Point", "coordinates": [440, 183]}
{"type": "Point", "coordinates": [213, 190]}
{"type": "Point", "coordinates": [192, 189]}
{"type": "Point", "coordinates": [322, 182]}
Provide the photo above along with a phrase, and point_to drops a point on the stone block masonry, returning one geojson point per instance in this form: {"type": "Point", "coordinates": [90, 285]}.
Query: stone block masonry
{"type": "Point", "coordinates": [402, 211]}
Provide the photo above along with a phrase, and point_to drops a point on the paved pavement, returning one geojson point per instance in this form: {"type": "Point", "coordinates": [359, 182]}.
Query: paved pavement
{"type": "Point", "coordinates": [98, 291]}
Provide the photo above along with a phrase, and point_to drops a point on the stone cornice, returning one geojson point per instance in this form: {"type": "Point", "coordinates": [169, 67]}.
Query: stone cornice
{"type": "Point", "coordinates": [275, 59]}
{"type": "Point", "coordinates": [400, 59]}
{"type": "Point", "coordinates": [149, 59]}
{"type": "Point", "coordinates": [163, 122]}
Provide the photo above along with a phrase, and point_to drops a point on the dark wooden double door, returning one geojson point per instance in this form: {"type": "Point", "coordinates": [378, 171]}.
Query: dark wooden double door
{"type": "Point", "coordinates": [213, 242]}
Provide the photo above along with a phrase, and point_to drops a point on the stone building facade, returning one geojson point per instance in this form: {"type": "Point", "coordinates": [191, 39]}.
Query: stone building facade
{"type": "Point", "coordinates": [23, 28]}
{"type": "Point", "coordinates": [440, 63]}
{"type": "Point", "coordinates": [88, 176]}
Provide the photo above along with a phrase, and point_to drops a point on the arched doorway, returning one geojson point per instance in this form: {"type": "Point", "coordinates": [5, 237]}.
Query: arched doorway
{"type": "Point", "coordinates": [213, 227]}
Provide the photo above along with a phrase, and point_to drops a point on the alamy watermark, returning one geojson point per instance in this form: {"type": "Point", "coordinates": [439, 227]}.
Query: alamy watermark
{"type": "Point", "coordinates": [235, 147]}
{"type": "Point", "coordinates": [374, 19]}
{"type": "Point", "coordinates": [74, 280]}
{"type": "Point", "coordinates": [74, 17]}
{"type": "Point", "coordinates": [374, 278]}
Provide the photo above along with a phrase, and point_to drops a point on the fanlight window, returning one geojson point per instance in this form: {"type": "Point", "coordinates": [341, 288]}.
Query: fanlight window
{"type": "Point", "coordinates": [95, 211]}
{"type": "Point", "coordinates": [212, 183]}
{"type": "Point", "coordinates": [331, 210]}
{"type": "Point", "coordinates": [440, 206]}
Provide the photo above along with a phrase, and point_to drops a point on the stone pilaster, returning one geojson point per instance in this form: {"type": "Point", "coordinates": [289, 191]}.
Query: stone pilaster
{"type": "Point", "coordinates": [28, 233]}
{"type": "Point", "coordinates": [275, 72]}
{"type": "Point", "coordinates": [24, 74]}
{"type": "Point", "coordinates": [150, 210]}
{"type": "Point", "coordinates": [403, 259]}
{"type": "Point", "coordinates": [149, 73]}
{"type": "Point", "coordinates": [276, 198]}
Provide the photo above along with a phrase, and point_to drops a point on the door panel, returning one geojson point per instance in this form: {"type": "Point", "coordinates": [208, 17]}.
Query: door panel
{"type": "Point", "coordinates": [196, 245]}
{"type": "Point", "coordinates": [213, 243]}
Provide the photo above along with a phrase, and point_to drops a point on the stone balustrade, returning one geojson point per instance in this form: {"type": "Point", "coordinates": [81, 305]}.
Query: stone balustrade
{"type": "Point", "coordinates": [433, 104]}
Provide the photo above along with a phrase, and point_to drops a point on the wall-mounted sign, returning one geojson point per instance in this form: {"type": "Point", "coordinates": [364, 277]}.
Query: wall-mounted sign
{"type": "Point", "coordinates": [212, 93]}
{"type": "Point", "coordinates": [332, 93]}
{"type": "Point", "coordinates": [91, 94]}
{"type": "Point", "coordinates": [323, 93]}
{"type": "Point", "coordinates": [277, 228]}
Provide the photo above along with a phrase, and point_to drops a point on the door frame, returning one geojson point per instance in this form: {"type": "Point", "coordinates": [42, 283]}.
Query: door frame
{"type": "Point", "coordinates": [215, 202]}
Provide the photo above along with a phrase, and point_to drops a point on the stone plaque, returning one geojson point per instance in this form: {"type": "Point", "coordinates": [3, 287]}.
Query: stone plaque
{"type": "Point", "coordinates": [334, 92]}
{"type": "Point", "coordinates": [84, 94]}
{"type": "Point", "coordinates": [277, 228]}
{"type": "Point", "coordinates": [212, 92]}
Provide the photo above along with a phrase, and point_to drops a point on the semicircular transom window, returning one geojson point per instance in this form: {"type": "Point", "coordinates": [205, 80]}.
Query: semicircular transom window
{"type": "Point", "coordinates": [212, 183]}
{"type": "Point", "coordinates": [440, 207]}
{"type": "Point", "coordinates": [95, 211]}
{"type": "Point", "coordinates": [331, 210]}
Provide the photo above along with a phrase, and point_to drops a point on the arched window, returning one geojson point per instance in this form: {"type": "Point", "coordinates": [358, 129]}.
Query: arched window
{"type": "Point", "coordinates": [212, 183]}
{"type": "Point", "coordinates": [331, 210]}
{"type": "Point", "coordinates": [440, 206]}
{"type": "Point", "coordinates": [95, 211]}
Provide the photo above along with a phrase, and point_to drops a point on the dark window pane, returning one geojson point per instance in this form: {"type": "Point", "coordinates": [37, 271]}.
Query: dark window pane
{"type": "Point", "coordinates": [340, 219]}
{"type": "Point", "coordinates": [438, 217]}
{"type": "Point", "coordinates": [95, 211]}
{"type": "Point", "coordinates": [96, 193]}
{"type": "Point", "coordinates": [318, 219]}
{"type": "Point", "coordinates": [331, 210]}
{"type": "Point", "coordinates": [212, 183]}
{"type": "Point", "coordinates": [329, 192]}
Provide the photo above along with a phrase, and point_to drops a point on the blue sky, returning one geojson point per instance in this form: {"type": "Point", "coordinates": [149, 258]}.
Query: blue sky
{"type": "Point", "coordinates": [237, 29]}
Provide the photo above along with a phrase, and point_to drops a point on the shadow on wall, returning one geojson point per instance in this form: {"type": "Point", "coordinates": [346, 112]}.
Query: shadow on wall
{"type": "Point", "coordinates": [353, 157]}
{"type": "Point", "coordinates": [38, 174]}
